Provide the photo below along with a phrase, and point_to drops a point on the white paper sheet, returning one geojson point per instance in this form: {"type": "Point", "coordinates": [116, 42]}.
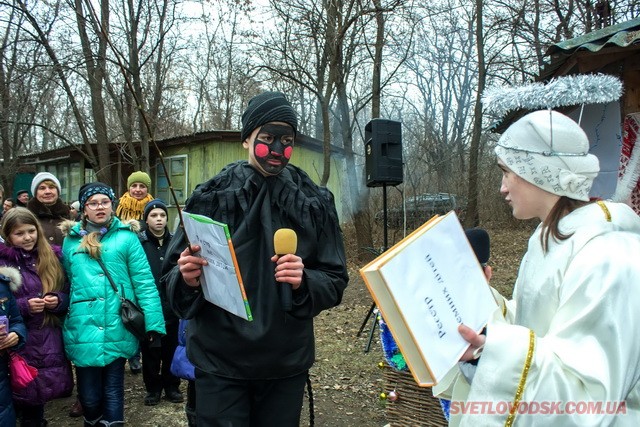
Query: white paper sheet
{"type": "Point", "coordinates": [221, 280]}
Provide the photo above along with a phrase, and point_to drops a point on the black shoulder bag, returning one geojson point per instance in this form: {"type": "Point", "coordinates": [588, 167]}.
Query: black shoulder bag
{"type": "Point", "coordinates": [130, 313]}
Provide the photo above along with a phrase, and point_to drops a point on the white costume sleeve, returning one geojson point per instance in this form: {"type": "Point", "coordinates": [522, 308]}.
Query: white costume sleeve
{"type": "Point", "coordinates": [586, 362]}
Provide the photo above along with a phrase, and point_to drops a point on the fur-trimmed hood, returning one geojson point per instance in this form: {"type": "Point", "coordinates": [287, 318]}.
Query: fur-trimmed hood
{"type": "Point", "coordinates": [13, 274]}
{"type": "Point", "coordinates": [69, 226]}
{"type": "Point", "coordinates": [66, 226]}
{"type": "Point", "coordinates": [58, 210]}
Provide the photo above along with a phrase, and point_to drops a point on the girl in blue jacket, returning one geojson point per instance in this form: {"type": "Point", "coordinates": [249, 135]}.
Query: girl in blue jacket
{"type": "Point", "coordinates": [95, 338]}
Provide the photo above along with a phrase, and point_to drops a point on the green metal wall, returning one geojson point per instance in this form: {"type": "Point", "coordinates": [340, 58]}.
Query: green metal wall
{"type": "Point", "coordinates": [204, 160]}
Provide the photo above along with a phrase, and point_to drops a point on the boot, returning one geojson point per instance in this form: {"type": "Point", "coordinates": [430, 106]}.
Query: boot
{"type": "Point", "coordinates": [134, 365]}
{"type": "Point", "coordinates": [172, 394]}
{"type": "Point", "coordinates": [76, 409]}
{"type": "Point", "coordinates": [152, 398]}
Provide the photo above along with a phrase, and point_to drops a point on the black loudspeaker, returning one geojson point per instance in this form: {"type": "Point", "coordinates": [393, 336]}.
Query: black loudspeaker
{"type": "Point", "coordinates": [383, 153]}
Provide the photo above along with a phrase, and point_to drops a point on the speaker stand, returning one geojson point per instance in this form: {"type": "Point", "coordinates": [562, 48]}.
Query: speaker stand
{"type": "Point", "coordinates": [373, 310]}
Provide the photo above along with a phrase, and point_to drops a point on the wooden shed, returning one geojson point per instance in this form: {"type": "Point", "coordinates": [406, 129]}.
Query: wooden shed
{"type": "Point", "coordinates": [190, 160]}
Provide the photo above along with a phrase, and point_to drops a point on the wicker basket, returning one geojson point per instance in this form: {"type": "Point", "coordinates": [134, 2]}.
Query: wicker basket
{"type": "Point", "coordinates": [414, 406]}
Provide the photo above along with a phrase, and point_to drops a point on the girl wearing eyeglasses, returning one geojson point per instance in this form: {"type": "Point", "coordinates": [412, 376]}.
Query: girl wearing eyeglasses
{"type": "Point", "coordinates": [96, 340]}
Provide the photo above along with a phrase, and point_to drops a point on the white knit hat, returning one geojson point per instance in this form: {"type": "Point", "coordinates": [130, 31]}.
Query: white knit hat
{"type": "Point", "coordinates": [44, 176]}
{"type": "Point", "coordinates": [551, 151]}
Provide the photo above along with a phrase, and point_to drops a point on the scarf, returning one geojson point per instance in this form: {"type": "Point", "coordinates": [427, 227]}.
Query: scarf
{"type": "Point", "coordinates": [131, 208]}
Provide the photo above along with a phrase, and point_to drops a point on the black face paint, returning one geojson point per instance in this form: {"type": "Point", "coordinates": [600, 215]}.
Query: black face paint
{"type": "Point", "coordinates": [273, 147]}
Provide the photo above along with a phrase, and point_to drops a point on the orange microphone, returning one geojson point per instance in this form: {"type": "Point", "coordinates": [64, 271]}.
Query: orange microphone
{"type": "Point", "coordinates": [285, 241]}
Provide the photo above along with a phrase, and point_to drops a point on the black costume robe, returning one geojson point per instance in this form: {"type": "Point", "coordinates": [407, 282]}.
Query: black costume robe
{"type": "Point", "coordinates": [275, 344]}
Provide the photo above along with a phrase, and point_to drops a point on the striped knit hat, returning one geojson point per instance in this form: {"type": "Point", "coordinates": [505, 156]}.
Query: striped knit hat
{"type": "Point", "coordinates": [265, 108]}
{"type": "Point", "coordinates": [92, 188]}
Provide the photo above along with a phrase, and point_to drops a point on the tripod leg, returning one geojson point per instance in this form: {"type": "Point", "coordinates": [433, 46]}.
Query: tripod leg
{"type": "Point", "coordinates": [374, 323]}
{"type": "Point", "coordinates": [364, 322]}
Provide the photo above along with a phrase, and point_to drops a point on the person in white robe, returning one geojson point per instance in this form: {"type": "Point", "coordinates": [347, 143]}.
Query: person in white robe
{"type": "Point", "coordinates": [565, 351]}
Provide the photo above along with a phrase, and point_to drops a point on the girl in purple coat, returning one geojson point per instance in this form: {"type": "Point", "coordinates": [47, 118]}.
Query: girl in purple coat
{"type": "Point", "coordinates": [43, 300]}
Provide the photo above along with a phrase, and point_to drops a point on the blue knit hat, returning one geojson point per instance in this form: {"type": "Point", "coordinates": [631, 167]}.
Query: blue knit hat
{"type": "Point", "coordinates": [93, 188]}
{"type": "Point", "coordinates": [154, 204]}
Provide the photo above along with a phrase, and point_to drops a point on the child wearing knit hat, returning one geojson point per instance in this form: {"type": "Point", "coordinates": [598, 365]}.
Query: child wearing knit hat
{"type": "Point", "coordinates": [156, 374]}
{"type": "Point", "coordinates": [269, 127]}
{"type": "Point", "coordinates": [105, 262]}
{"type": "Point", "coordinates": [131, 204]}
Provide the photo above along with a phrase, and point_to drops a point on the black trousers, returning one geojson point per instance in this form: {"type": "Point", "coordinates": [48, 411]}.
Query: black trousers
{"type": "Point", "coordinates": [29, 415]}
{"type": "Point", "coordinates": [156, 362]}
{"type": "Point", "coordinates": [249, 403]}
{"type": "Point", "coordinates": [190, 406]}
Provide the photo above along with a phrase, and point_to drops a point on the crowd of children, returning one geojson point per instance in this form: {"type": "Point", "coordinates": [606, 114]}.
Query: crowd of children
{"type": "Point", "coordinates": [57, 309]}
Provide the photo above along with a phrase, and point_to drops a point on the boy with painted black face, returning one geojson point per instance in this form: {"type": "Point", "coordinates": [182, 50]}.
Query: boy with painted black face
{"type": "Point", "coordinates": [254, 373]}
{"type": "Point", "coordinates": [271, 147]}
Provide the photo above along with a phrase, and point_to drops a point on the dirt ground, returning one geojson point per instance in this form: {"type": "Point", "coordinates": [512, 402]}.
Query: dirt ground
{"type": "Point", "coordinates": [347, 381]}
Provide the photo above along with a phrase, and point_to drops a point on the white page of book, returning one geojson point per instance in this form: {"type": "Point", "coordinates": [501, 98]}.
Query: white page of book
{"type": "Point", "coordinates": [437, 284]}
{"type": "Point", "coordinates": [219, 280]}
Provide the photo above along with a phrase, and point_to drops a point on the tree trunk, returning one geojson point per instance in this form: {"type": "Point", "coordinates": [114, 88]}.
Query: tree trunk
{"type": "Point", "coordinates": [360, 197]}
{"type": "Point", "coordinates": [377, 62]}
{"type": "Point", "coordinates": [472, 217]}
{"type": "Point", "coordinates": [58, 70]}
{"type": "Point", "coordinates": [95, 68]}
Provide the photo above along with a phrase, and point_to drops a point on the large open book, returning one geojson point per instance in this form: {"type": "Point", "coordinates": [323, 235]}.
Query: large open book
{"type": "Point", "coordinates": [221, 279]}
{"type": "Point", "coordinates": [425, 286]}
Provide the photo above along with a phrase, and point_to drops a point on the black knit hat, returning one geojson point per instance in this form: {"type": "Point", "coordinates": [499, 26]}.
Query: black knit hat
{"type": "Point", "coordinates": [265, 108]}
{"type": "Point", "coordinates": [154, 204]}
{"type": "Point", "coordinates": [92, 188]}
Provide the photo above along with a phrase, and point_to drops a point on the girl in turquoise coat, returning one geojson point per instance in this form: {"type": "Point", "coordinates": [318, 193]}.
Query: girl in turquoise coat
{"type": "Point", "coordinates": [95, 339]}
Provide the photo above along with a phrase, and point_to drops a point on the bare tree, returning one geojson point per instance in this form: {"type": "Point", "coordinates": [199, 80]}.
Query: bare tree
{"type": "Point", "coordinates": [472, 218]}
{"type": "Point", "coordinates": [325, 66]}
{"type": "Point", "coordinates": [63, 67]}
{"type": "Point", "coordinates": [440, 81]}
{"type": "Point", "coordinates": [41, 35]}
{"type": "Point", "coordinates": [145, 32]}
{"type": "Point", "coordinates": [219, 78]}
{"type": "Point", "coordinates": [95, 68]}
{"type": "Point", "coordinates": [16, 103]}
{"type": "Point", "coordinates": [146, 26]}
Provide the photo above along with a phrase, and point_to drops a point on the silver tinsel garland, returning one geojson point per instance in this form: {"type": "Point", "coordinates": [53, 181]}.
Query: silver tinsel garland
{"type": "Point", "coordinates": [559, 92]}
